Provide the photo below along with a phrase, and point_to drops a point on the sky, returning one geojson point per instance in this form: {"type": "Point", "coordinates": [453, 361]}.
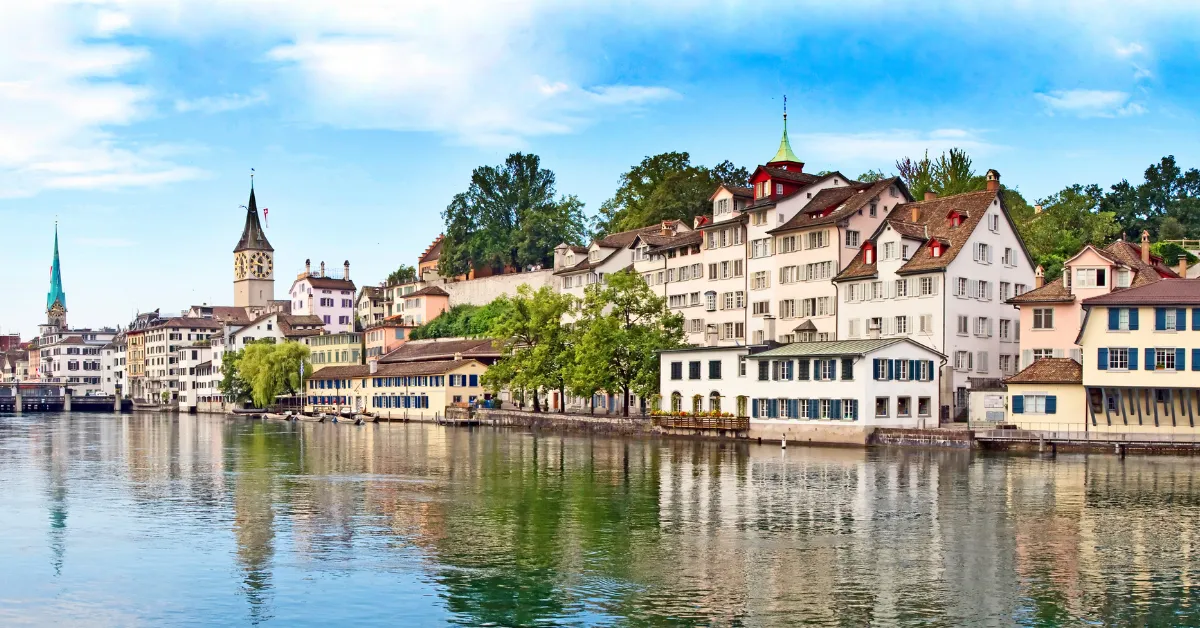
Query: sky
{"type": "Point", "coordinates": [134, 123]}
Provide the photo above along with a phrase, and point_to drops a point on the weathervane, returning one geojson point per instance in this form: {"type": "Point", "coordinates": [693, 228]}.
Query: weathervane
{"type": "Point", "coordinates": [252, 174]}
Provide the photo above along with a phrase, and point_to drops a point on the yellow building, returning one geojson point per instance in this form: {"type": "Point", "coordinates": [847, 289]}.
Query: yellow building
{"type": "Point", "coordinates": [344, 349]}
{"type": "Point", "coordinates": [1048, 395]}
{"type": "Point", "coordinates": [412, 390]}
{"type": "Point", "coordinates": [1142, 357]}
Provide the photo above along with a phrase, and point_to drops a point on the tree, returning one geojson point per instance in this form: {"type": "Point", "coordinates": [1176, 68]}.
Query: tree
{"type": "Point", "coordinates": [232, 385]}
{"type": "Point", "coordinates": [623, 327]}
{"type": "Point", "coordinates": [461, 321]}
{"type": "Point", "coordinates": [537, 352]}
{"type": "Point", "coordinates": [950, 173]}
{"type": "Point", "coordinates": [1170, 253]}
{"type": "Point", "coordinates": [273, 369]}
{"type": "Point", "coordinates": [509, 218]}
{"type": "Point", "coordinates": [871, 176]}
{"type": "Point", "coordinates": [1070, 219]}
{"type": "Point", "coordinates": [665, 187]}
{"type": "Point", "coordinates": [1166, 192]}
{"type": "Point", "coordinates": [1171, 229]}
{"type": "Point", "coordinates": [404, 274]}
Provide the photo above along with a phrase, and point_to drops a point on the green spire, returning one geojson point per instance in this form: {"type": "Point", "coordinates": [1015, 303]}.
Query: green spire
{"type": "Point", "coordinates": [785, 147]}
{"type": "Point", "coordinates": [56, 294]}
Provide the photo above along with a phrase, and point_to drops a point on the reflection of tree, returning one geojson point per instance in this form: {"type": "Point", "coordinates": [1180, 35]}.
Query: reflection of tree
{"type": "Point", "coordinates": [254, 517]}
{"type": "Point", "coordinates": [57, 488]}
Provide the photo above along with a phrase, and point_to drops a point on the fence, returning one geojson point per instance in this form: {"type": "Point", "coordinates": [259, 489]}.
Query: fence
{"type": "Point", "coordinates": [1082, 433]}
{"type": "Point", "coordinates": [703, 422]}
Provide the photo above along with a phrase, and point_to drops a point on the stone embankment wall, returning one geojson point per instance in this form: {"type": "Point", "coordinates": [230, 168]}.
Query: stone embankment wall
{"type": "Point", "coordinates": [955, 439]}
{"type": "Point", "coordinates": [601, 424]}
{"type": "Point", "coordinates": [486, 289]}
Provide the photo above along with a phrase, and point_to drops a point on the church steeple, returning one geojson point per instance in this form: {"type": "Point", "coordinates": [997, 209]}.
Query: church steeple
{"type": "Point", "coordinates": [253, 261]}
{"type": "Point", "coordinates": [253, 236]}
{"type": "Point", "coordinates": [785, 155]}
{"type": "Point", "coordinates": [56, 298]}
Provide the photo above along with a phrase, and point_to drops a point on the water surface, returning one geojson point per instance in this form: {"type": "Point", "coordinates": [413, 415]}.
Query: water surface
{"type": "Point", "coordinates": [151, 519]}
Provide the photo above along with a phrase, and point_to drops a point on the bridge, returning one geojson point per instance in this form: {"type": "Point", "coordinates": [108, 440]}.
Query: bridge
{"type": "Point", "coordinates": [53, 397]}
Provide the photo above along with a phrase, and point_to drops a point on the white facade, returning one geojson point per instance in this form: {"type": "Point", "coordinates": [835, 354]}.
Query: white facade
{"type": "Point", "coordinates": [112, 364]}
{"type": "Point", "coordinates": [328, 296]}
{"type": "Point", "coordinates": [163, 342]}
{"type": "Point", "coordinates": [196, 380]}
{"type": "Point", "coordinates": [73, 357]}
{"type": "Point", "coordinates": [724, 293]}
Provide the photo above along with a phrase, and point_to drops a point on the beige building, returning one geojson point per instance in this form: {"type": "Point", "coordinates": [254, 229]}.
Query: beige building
{"type": "Point", "coordinates": [344, 349]}
{"type": "Point", "coordinates": [1048, 395]}
{"type": "Point", "coordinates": [404, 390]}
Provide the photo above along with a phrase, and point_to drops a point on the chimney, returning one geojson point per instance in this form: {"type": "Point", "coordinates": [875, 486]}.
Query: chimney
{"type": "Point", "coordinates": [373, 365]}
{"type": "Point", "coordinates": [916, 211]}
{"type": "Point", "coordinates": [666, 228]}
{"type": "Point", "coordinates": [307, 267]}
{"type": "Point", "coordinates": [1145, 247]}
{"type": "Point", "coordinates": [1037, 209]}
{"type": "Point", "coordinates": [457, 357]}
{"type": "Point", "coordinates": [346, 269]}
{"type": "Point", "coordinates": [710, 335]}
{"type": "Point", "coordinates": [993, 181]}
{"type": "Point", "coordinates": [930, 195]}
{"type": "Point", "coordinates": [322, 269]}
{"type": "Point", "coordinates": [1183, 265]}
{"type": "Point", "coordinates": [768, 329]}
{"type": "Point", "coordinates": [1039, 277]}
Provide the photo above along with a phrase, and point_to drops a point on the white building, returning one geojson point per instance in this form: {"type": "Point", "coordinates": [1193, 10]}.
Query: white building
{"type": "Point", "coordinates": [577, 268]}
{"type": "Point", "coordinates": [193, 368]}
{"type": "Point", "coordinates": [112, 365]}
{"type": "Point", "coordinates": [724, 257]}
{"type": "Point", "coordinates": [328, 296]}
{"type": "Point", "coordinates": [163, 342]}
{"type": "Point", "coordinates": [673, 267]}
{"type": "Point", "coordinates": [939, 271]}
{"type": "Point", "coordinates": [889, 382]}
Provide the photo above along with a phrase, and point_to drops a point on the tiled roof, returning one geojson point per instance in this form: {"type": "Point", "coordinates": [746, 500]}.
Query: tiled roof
{"type": "Point", "coordinates": [432, 367]}
{"type": "Point", "coordinates": [1130, 254]}
{"type": "Point", "coordinates": [835, 348]}
{"type": "Point", "coordinates": [845, 201]}
{"type": "Point", "coordinates": [373, 291]}
{"type": "Point", "coordinates": [933, 220]}
{"type": "Point", "coordinates": [198, 323]}
{"type": "Point", "coordinates": [289, 324]}
{"type": "Point", "coordinates": [428, 291]}
{"type": "Point", "coordinates": [442, 349]}
{"type": "Point", "coordinates": [740, 219]}
{"type": "Point", "coordinates": [1053, 292]}
{"type": "Point", "coordinates": [793, 175]}
{"type": "Point", "coordinates": [687, 238]}
{"type": "Point", "coordinates": [738, 190]}
{"type": "Point", "coordinates": [1049, 371]}
{"type": "Point", "coordinates": [329, 283]}
{"type": "Point", "coordinates": [623, 239]}
{"type": "Point", "coordinates": [586, 264]}
{"type": "Point", "coordinates": [434, 252]}
{"type": "Point", "coordinates": [1170, 291]}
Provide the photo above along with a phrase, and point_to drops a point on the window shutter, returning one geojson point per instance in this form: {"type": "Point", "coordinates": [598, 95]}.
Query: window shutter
{"type": "Point", "coordinates": [835, 409]}
{"type": "Point", "coordinates": [935, 285]}
{"type": "Point", "coordinates": [1114, 318]}
{"type": "Point", "coordinates": [1160, 319]}
{"type": "Point", "coordinates": [1102, 358]}
{"type": "Point", "coordinates": [1018, 404]}
{"type": "Point", "coordinates": [802, 370]}
{"type": "Point", "coordinates": [891, 370]}
{"type": "Point", "coordinates": [970, 361]}
{"type": "Point", "coordinates": [754, 408]}
{"type": "Point", "coordinates": [1026, 358]}
{"type": "Point", "coordinates": [1058, 353]}
{"type": "Point", "coordinates": [931, 367]}
{"type": "Point", "coordinates": [875, 369]}
{"type": "Point", "coordinates": [1179, 360]}
{"type": "Point", "coordinates": [793, 408]}
{"type": "Point", "coordinates": [1133, 358]}
{"type": "Point", "coordinates": [1196, 319]}
{"type": "Point", "coordinates": [1133, 318]}
{"type": "Point", "coordinates": [1180, 319]}
{"type": "Point", "coordinates": [989, 260]}
{"type": "Point", "coordinates": [814, 408]}
{"type": "Point", "coordinates": [847, 368]}
{"type": "Point", "coordinates": [1149, 359]}
{"type": "Point", "coordinates": [774, 408]}
{"type": "Point", "coordinates": [1051, 404]}
{"type": "Point", "coordinates": [1196, 359]}
{"type": "Point", "coordinates": [913, 373]}
{"type": "Point", "coordinates": [833, 368]}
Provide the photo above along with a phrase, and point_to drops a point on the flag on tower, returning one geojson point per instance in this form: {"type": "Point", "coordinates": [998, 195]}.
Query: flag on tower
{"type": "Point", "coordinates": [265, 210]}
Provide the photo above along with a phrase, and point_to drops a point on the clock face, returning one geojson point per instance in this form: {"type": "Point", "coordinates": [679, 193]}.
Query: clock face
{"type": "Point", "coordinates": [239, 265]}
{"type": "Point", "coordinates": [261, 265]}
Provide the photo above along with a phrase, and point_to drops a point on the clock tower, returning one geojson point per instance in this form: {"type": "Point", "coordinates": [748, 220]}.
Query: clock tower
{"type": "Point", "coordinates": [253, 262]}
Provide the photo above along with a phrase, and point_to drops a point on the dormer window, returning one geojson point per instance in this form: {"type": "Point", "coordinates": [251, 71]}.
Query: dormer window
{"type": "Point", "coordinates": [722, 207]}
{"type": "Point", "coordinates": [594, 255]}
{"type": "Point", "coordinates": [868, 253]}
{"type": "Point", "coordinates": [779, 189]}
{"type": "Point", "coordinates": [936, 248]}
{"type": "Point", "coordinates": [570, 259]}
{"type": "Point", "coordinates": [1123, 278]}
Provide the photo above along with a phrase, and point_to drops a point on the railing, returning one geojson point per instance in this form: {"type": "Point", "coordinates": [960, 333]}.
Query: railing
{"type": "Point", "coordinates": [1078, 433]}
{"type": "Point", "coordinates": [703, 422]}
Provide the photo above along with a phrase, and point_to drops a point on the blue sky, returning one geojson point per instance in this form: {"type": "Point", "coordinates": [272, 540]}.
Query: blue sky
{"type": "Point", "coordinates": [135, 123]}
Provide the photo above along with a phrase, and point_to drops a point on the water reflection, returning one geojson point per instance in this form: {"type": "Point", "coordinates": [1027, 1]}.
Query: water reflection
{"type": "Point", "coordinates": [202, 520]}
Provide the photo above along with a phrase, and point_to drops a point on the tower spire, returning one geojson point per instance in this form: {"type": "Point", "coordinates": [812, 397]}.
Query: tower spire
{"type": "Point", "coordinates": [56, 298]}
{"type": "Point", "coordinates": [785, 147]}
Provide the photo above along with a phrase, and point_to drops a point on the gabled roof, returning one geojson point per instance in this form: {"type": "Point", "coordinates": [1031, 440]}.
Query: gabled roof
{"type": "Point", "coordinates": [736, 190]}
{"type": "Point", "coordinates": [253, 236]}
{"type": "Point", "coordinates": [739, 219]}
{"type": "Point", "coordinates": [845, 201]}
{"type": "Point", "coordinates": [660, 243]}
{"type": "Point", "coordinates": [1049, 371]}
{"type": "Point", "coordinates": [371, 291]}
{"type": "Point", "coordinates": [433, 252]}
{"type": "Point", "coordinates": [328, 283]}
{"type": "Point", "coordinates": [442, 349]}
{"type": "Point", "coordinates": [805, 180]}
{"type": "Point", "coordinates": [1053, 292]}
{"type": "Point", "coordinates": [623, 239]}
{"type": "Point", "coordinates": [434, 367]}
{"type": "Point", "coordinates": [833, 348]}
{"type": "Point", "coordinates": [586, 264]}
{"type": "Point", "coordinates": [427, 291]}
{"type": "Point", "coordinates": [1170, 291]}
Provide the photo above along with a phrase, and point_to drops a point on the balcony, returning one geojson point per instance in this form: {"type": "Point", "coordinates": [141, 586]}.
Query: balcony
{"type": "Point", "coordinates": [703, 422]}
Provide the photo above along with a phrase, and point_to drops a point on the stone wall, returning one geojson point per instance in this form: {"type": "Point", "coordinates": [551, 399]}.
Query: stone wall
{"type": "Point", "coordinates": [485, 290]}
{"type": "Point", "coordinates": [955, 439]}
{"type": "Point", "coordinates": [600, 423]}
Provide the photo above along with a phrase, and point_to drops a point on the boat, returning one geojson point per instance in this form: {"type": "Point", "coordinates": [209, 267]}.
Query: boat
{"type": "Point", "coordinates": [248, 411]}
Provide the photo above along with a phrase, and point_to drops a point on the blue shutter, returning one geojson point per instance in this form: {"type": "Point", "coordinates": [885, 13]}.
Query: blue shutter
{"type": "Point", "coordinates": [891, 370]}
{"type": "Point", "coordinates": [1180, 319]}
{"type": "Point", "coordinates": [774, 408]}
{"type": "Point", "coordinates": [931, 367]}
{"type": "Point", "coordinates": [794, 408]}
{"type": "Point", "coordinates": [1195, 320]}
{"type": "Point", "coordinates": [1114, 318]}
{"type": "Point", "coordinates": [914, 372]}
{"type": "Point", "coordinates": [474, 380]}
{"type": "Point", "coordinates": [1160, 319]}
{"type": "Point", "coordinates": [1133, 319]}
{"type": "Point", "coordinates": [854, 409]}
{"type": "Point", "coordinates": [833, 369]}
{"type": "Point", "coordinates": [1018, 404]}
{"type": "Point", "coordinates": [835, 408]}
{"type": "Point", "coordinates": [1133, 358]}
{"type": "Point", "coordinates": [1051, 404]}
{"type": "Point", "coordinates": [1149, 359]}
{"type": "Point", "coordinates": [1102, 358]}
{"type": "Point", "coordinates": [875, 369]}
{"type": "Point", "coordinates": [814, 408]}
{"type": "Point", "coordinates": [1179, 360]}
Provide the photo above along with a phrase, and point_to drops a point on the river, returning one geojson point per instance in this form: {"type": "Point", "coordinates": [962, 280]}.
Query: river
{"type": "Point", "coordinates": [151, 519]}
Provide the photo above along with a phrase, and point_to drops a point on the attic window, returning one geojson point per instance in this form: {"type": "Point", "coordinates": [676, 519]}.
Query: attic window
{"type": "Point", "coordinates": [868, 253]}
{"type": "Point", "coordinates": [936, 248]}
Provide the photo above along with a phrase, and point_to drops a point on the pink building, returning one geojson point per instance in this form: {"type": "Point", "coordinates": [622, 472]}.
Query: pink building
{"type": "Point", "coordinates": [382, 338]}
{"type": "Point", "coordinates": [422, 306]}
{"type": "Point", "coordinates": [329, 297]}
{"type": "Point", "coordinates": [1052, 314]}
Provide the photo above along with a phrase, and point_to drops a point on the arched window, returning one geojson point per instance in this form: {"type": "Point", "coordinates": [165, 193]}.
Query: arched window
{"type": "Point", "coordinates": [676, 402]}
{"type": "Point", "coordinates": [697, 404]}
{"type": "Point", "coordinates": [714, 401]}
{"type": "Point", "coordinates": [742, 403]}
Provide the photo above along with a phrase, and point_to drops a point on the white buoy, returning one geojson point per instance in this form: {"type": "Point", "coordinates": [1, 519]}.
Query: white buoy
{"type": "Point", "coordinates": [783, 442]}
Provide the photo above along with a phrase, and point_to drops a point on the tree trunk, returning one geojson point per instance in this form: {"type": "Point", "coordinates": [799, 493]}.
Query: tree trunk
{"type": "Point", "coordinates": [536, 406]}
{"type": "Point", "coordinates": [625, 410]}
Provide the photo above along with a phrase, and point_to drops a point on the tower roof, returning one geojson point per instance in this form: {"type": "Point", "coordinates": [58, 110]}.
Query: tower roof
{"type": "Point", "coordinates": [56, 294]}
{"type": "Point", "coordinates": [253, 237]}
{"type": "Point", "coordinates": [785, 147]}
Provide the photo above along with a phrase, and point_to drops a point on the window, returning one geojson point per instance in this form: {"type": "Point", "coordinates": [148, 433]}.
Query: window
{"type": "Point", "coordinates": [818, 271]}
{"type": "Point", "coordinates": [818, 239]}
{"type": "Point", "coordinates": [758, 336]}
{"type": "Point", "coordinates": [1089, 277]}
{"type": "Point", "coordinates": [787, 244]}
{"type": "Point", "coordinates": [881, 406]}
{"type": "Point", "coordinates": [903, 406]}
{"type": "Point", "coordinates": [764, 370]}
{"type": "Point", "coordinates": [826, 409]}
{"type": "Point", "coordinates": [960, 287]}
{"type": "Point", "coordinates": [760, 280]}
{"type": "Point", "coordinates": [852, 239]}
{"type": "Point", "coordinates": [850, 409]}
{"type": "Point", "coordinates": [710, 301]}
{"type": "Point", "coordinates": [902, 325]}
{"type": "Point", "coordinates": [1118, 358]}
{"type": "Point", "coordinates": [741, 366]}
{"type": "Point", "coordinates": [1043, 318]}
{"type": "Point", "coordinates": [926, 324]}
{"type": "Point", "coordinates": [1042, 353]}
{"type": "Point", "coordinates": [825, 369]}
{"type": "Point", "coordinates": [901, 370]}
{"type": "Point", "coordinates": [876, 290]}
{"type": "Point", "coordinates": [904, 252]}
{"type": "Point", "coordinates": [1170, 320]}
{"type": "Point", "coordinates": [677, 300]}
{"type": "Point", "coordinates": [1035, 404]}
{"type": "Point", "coordinates": [994, 222]}
{"type": "Point", "coordinates": [983, 253]}
{"type": "Point", "coordinates": [926, 284]}
{"type": "Point", "coordinates": [787, 308]}
{"type": "Point", "coordinates": [761, 307]}
{"type": "Point", "coordinates": [983, 327]}
{"type": "Point", "coordinates": [677, 370]}
{"type": "Point", "coordinates": [901, 287]}
{"type": "Point", "coordinates": [695, 326]}
{"type": "Point", "coordinates": [786, 369]}
{"type": "Point", "coordinates": [963, 325]}
{"type": "Point", "coordinates": [1123, 278]}
{"type": "Point", "coordinates": [694, 369]}
{"type": "Point", "coordinates": [1005, 290]}
{"type": "Point", "coordinates": [714, 369]}
{"type": "Point", "coordinates": [1164, 359]}
{"type": "Point", "coordinates": [924, 406]}
{"type": "Point", "coordinates": [789, 274]}
{"type": "Point", "coordinates": [1006, 364]}
{"type": "Point", "coordinates": [962, 360]}
{"type": "Point", "coordinates": [760, 247]}
{"type": "Point", "coordinates": [1010, 257]}
{"type": "Point", "coordinates": [889, 250]}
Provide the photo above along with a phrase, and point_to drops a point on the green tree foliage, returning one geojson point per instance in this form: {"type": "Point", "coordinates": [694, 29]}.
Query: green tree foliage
{"type": "Point", "coordinates": [1170, 252]}
{"type": "Point", "coordinates": [1069, 220]}
{"type": "Point", "coordinates": [232, 385]}
{"type": "Point", "coordinates": [461, 321]}
{"type": "Point", "coordinates": [665, 187]}
{"type": "Point", "coordinates": [537, 350]}
{"type": "Point", "coordinates": [509, 218]}
{"type": "Point", "coordinates": [950, 173]}
{"type": "Point", "coordinates": [1166, 192]}
{"type": "Point", "coordinates": [871, 176]}
{"type": "Point", "coordinates": [273, 369]}
{"type": "Point", "coordinates": [404, 274]}
{"type": "Point", "coordinates": [623, 327]}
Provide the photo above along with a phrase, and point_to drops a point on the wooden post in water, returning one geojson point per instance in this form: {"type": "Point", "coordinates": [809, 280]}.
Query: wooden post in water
{"type": "Point", "coordinates": [20, 403]}
{"type": "Point", "coordinates": [67, 402]}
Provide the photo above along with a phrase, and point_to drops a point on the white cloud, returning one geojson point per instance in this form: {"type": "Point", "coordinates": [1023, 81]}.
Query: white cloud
{"type": "Point", "coordinates": [886, 146]}
{"type": "Point", "coordinates": [221, 104]}
{"type": "Point", "coordinates": [1090, 103]}
{"type": "Point", "coordinates": [60, 99]}
{"type": "Point", "coordinates": [1128, 50]}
